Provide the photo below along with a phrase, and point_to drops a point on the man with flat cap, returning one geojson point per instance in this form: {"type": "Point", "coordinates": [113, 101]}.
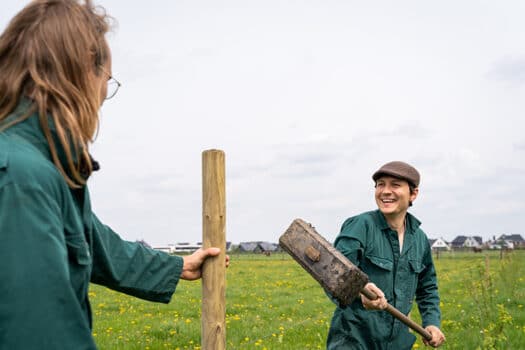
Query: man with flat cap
{"type": "Point", "coordinates": [388, 245]}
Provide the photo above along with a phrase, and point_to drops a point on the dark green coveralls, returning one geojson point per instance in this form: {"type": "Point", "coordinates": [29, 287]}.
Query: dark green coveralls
{"type": "Point", "coordinates": [52, 246]}
{"type": "Point", "coordinates": [371, 245]}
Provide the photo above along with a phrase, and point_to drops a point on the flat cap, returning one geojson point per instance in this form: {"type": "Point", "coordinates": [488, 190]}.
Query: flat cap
{"type": "Point", "coordinates": [400, 170]}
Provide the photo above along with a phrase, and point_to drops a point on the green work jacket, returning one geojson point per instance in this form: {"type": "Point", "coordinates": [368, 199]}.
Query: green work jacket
{"type": "Point", "coordinates": [370, 244]}
{"type": "Point", "coordinates": [52, 245]}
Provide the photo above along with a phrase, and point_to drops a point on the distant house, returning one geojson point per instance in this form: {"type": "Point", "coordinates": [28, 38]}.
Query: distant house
{"type": "Point", "coordinates": [466, 242]}
{"type": "Point", "coordinates": [500, 244]}
{"type": "Point", "coordinates": [185, 247]}
{"type": "Point", "coordinates": [228, 245]}
{"type": "Point", "coordinates": [516, 240]}
{"type": "Point", "coordinates": [438, 244]}
{"type": "Point", "coordinates": [247, 247]}
{"type": "Point", "coordinates": [265, 247]}
{"type": "Point", "coordinates": [258, 247]}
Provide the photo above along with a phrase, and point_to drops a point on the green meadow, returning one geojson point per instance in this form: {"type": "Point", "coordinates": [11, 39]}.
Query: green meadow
{"type": "Point", "coordinates": [272, 303]}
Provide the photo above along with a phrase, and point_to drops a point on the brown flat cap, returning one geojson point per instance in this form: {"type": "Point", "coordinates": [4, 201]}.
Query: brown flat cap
{"type": "Point", "coordinates": [401, 170]}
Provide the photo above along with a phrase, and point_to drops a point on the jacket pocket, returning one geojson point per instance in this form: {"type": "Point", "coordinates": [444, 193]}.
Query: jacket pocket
{"type": "Point", "coordinates": [415, 268]}
{"type": "Point", "coordinates": [381, 263]}
{"type": "Point", "coordinates": [78, 250]}
{"type": "Point", "coordinates": [80, 265]}
{"type": "Point", "coordinates": [379, 271]}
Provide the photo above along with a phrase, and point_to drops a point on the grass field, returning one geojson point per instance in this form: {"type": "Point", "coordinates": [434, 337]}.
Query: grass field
{"type": "Point", "coordinates": [273, 304]}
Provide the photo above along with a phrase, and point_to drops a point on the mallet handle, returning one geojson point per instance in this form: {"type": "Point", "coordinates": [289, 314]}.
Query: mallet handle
{"type": "Point", "coordinates": [399, 315]}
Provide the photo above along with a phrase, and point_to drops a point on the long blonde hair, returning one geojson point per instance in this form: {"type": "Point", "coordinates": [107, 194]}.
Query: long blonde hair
{"type": "Point", "coordinates": [50, 51]}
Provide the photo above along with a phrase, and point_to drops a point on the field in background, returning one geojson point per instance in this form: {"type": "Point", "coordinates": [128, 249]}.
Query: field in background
{"type": "Point", "coordinates": [272, 303]}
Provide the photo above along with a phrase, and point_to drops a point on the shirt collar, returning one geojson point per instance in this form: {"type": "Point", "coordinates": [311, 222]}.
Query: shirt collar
{"type": "Point", "coordinates": [412, 223]}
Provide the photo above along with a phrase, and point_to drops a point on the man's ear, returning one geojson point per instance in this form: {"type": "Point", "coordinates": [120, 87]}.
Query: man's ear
{"type": "Point", "coordinates": [413, 194]}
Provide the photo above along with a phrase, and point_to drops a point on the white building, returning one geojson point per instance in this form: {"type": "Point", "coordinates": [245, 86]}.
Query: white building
{"type": "Point", "coordinates": [186, 247]}
{"type": "Point", "coordinates": [439, 244]}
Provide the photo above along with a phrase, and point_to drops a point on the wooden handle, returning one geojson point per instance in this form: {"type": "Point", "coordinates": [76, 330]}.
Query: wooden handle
{"type": "Point", "coordinates": [213, 235]}
{"type": "Point", "coordinates": [399, 315]}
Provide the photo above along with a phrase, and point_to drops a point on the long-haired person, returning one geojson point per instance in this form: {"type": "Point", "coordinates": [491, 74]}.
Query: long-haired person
{"type": "Point", "coordinates": [55, 65]}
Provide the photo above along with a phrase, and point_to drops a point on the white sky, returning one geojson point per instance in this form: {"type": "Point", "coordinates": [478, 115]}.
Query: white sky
{"type": "Point", "coordinates": [308, 99]}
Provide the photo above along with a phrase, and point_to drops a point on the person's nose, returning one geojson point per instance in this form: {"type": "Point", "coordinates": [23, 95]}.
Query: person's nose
{"type": "Point", "coordinates": [387, 189]}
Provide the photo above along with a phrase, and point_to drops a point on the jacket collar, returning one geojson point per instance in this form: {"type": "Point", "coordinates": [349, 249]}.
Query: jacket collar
{"type": "Point", "coordinates": [412, 223]}
{"type": "Point", "coordinates": [30, 131]}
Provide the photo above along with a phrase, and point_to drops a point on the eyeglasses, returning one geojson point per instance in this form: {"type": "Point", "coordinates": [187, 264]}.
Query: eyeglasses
{"type": "Point", "coordinates": [113, 85]}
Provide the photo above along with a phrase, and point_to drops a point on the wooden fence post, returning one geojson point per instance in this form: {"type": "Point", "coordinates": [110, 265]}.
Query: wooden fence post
{"type": "Point", "coordinates": [213, 235]}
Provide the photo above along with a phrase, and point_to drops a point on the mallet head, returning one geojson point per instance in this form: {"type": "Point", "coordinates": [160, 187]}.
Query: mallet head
{"type": "Point", "coordinates": [336, 274]}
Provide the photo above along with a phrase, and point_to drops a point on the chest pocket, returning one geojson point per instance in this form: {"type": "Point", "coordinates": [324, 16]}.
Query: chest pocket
{"type": "Point", "coordinates": [415, 267]}
{"type": "Point", "coordinates": [80, 264]}
{"type": "Point", "coordinates": [379, 271]}
{"type": "Point", "coordinates": [381, 263]}
{"type": "Point", "coordinates": [78, 250]}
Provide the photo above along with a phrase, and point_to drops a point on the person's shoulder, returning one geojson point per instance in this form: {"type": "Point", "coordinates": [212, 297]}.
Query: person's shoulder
{"type": "Point", "coordinates": [24, 165]}
{"type": "Point", "coordinates": [367, 216]}
{"type": "Point", "coordinates": [360, 221]}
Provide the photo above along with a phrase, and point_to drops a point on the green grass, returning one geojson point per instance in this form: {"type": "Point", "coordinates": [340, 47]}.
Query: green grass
{"type": "Point", "coordinates": [272, 303]}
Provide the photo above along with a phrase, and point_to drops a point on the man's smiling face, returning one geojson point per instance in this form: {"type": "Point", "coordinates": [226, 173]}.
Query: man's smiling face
{"type": "Point", "coordinates": [393, 195]}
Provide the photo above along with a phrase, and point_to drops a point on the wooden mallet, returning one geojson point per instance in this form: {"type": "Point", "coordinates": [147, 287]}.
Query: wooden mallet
{"type": "Point", "coordinates": [337, 275]}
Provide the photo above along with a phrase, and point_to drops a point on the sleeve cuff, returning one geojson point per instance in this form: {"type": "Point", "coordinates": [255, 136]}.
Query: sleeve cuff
{"type": "Point", "coordinates": [173, 281]}
{"type": "Point", "coordinates": [432, 322]}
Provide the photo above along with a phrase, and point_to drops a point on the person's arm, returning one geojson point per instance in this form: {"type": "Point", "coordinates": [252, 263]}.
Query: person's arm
{"type": "Point", "coordinates": [350, 240]}
{"type": "Point", "coordinates": [132, 268]}
{"type": "Point", "coordinates": [348, 246]}
{"type": "Point", "coordinates": [350, 243]}
{"type": "Point", "coordinates": [427, 299]}
{"type": "Point", "coordinates": [136, 270]}
{"type": "Point", "coordinates": [38, 306]}
{"type": "Point", "coordinates": [427, 296]}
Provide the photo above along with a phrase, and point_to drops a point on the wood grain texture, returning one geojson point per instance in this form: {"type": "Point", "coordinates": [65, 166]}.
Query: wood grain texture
{"type": "Point", "coordinates": [336, 274]}
{"type": "Point", "coordinates": [213, 235]}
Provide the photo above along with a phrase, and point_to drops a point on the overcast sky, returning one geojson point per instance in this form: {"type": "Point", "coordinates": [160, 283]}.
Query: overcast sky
{"type": "Point", "coordinates": [308, 99]}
